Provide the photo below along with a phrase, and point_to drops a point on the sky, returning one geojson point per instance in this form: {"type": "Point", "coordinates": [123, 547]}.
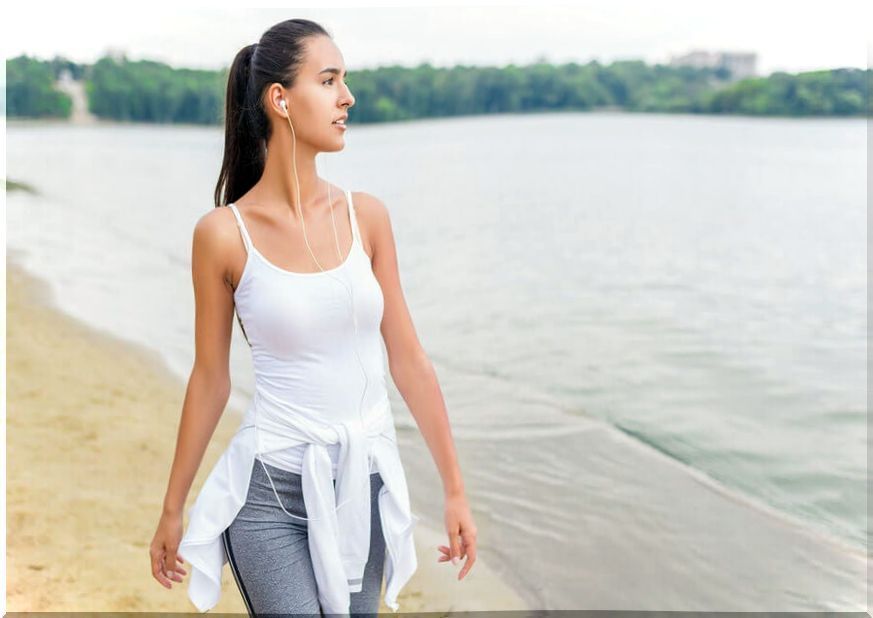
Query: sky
{"type": "Point", "coordinates": [787, 36]}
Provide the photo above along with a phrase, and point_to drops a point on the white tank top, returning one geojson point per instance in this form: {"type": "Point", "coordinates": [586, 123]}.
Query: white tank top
{"type": "Point", "coordinates": [304, 346]}
{"type": "Point", "coordinates": [320, 385]}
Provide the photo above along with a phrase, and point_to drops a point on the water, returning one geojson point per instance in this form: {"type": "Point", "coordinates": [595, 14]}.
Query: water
{"type": "Point", "coordinates": [650, 330]}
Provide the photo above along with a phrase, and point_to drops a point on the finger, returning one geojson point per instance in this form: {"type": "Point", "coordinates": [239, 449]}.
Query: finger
{"type": "Point", "coordinates": [471, 559]}
{"type": "Point", "coordinates": [158, 571]}
{"type": "Point", "coordinates": [462, 551]}
{"type": "Point", "coordinates": [455, 546]}
{"type": "Point", "coordinates": [170, 563]}
{"type": "Point", "coordinates": [469, 539]}
{"type": "Point", "coordinates": [446, 553]}
{"type": "Point", "coordinates": [157, 567]}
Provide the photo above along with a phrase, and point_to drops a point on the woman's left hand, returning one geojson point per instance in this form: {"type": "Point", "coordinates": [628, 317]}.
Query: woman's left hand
{"type": "Point", "coordinates": [462, 533]}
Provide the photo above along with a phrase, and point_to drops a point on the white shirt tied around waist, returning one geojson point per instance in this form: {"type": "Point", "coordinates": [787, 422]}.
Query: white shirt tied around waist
{"type": "Point", "coordinates": [338, 519]}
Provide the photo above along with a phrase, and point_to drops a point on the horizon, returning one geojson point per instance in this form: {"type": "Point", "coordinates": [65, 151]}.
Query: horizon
{"type": "Point", "coordinates": [109, 53]}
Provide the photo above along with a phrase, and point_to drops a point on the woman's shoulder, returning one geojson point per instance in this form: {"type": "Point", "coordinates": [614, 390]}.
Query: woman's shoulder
{"type": "Point", "coordinates": [369, 208]}
{"type": "Point", "coordinates": [217, 239]}
{"type": "Point", "coordinates": [373, 220]}
{"type": "Point", "coordinates": [218, 226]}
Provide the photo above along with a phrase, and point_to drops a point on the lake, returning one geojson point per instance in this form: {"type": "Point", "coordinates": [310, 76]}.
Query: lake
{"type": "Point", "coordinates": [650, 330]}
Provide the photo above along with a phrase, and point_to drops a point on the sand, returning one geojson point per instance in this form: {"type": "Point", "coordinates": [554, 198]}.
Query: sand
{"type": "Point", "coordinates": [91, 429]}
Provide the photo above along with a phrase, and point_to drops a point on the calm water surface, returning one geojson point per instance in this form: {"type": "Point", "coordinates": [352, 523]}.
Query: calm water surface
{"type": "Point", "coordinates": [650, 330]}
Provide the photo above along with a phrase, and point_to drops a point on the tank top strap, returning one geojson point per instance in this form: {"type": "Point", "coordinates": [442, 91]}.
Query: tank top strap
{"type": "Point", "coordinates": [356, 233]}
{"type": "Point", "coordinates": [242, 227]}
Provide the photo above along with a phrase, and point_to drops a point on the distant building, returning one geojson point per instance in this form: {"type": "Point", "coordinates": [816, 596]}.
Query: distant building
{"type": "Point", "coordinates": [116, 53]}
{"type": "Point", "coordinates": [740, 64]}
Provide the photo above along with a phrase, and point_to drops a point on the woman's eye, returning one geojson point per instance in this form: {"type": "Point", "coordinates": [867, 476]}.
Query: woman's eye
{"type": "Point", "coordinates": [327, 80]}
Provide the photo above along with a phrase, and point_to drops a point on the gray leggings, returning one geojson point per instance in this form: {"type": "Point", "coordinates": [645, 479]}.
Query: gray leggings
{"type": "Point", "coordinates": [268, 551]}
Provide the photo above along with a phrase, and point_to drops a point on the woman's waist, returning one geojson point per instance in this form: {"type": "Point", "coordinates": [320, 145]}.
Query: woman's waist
{"type": "Point", "coordinates": [321, 396]}
{"type": "Point", "coordinates": [286, 423]}
{"type": "Point", "coordinates": [290, 459]}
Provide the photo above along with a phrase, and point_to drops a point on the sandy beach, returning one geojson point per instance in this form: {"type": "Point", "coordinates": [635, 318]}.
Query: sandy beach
{"type": "Point", "coordinates": [91, 428]}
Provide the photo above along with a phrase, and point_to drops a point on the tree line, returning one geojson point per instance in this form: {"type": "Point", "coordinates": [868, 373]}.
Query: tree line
{"type": "Point", "coordinates": [147, 91]}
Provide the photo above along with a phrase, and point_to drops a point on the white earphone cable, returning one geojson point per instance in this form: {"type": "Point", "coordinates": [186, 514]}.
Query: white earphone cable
{"type": "Point", "coordinates": [331, 275]}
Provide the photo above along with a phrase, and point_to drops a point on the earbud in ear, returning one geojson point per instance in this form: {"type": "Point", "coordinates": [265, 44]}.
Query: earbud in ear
{"type": "Point", "coordinates": [283, 104]}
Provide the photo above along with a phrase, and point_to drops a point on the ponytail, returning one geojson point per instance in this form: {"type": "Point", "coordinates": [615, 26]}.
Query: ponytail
{"type": "Point", "coordinates": [243, 150]}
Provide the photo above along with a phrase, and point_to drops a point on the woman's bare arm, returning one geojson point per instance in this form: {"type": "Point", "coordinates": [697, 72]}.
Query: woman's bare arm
{"type": "Point", "coordinates": [209, 383]}
{"type": "Point", "coordinates": [416, 379]}
{"type": "Point", "coordinates": [408, 363]}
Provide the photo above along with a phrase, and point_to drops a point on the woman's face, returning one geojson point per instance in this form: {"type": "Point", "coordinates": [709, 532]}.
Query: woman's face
{"type": "Point", "coordinates": [318, 97]}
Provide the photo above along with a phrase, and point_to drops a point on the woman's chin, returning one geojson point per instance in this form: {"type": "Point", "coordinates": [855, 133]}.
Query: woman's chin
{"type": "Point", "coordinates": [337, 145]}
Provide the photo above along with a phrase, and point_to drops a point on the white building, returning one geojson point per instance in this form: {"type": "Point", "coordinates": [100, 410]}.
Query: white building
{"type": "Point", "coordinates": [740, 64]}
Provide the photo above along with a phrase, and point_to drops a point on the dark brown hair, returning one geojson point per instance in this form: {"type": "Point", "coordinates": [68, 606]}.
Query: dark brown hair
{"type": "Point", "coordinates": [275, 58]}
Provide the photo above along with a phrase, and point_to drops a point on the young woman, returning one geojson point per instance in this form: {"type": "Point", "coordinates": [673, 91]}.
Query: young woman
{"type": "Point", "coordinates": [309, 502]}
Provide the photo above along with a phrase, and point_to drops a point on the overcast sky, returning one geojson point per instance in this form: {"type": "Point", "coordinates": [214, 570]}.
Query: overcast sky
{"type": "Point", "coordinates": [790, 36]}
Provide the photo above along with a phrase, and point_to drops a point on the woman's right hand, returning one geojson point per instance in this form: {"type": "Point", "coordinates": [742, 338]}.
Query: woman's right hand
{"type": "Point", "coordinates": [165, 544]}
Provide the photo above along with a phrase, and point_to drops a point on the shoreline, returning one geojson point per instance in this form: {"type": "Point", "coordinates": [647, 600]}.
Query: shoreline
{"type": "Point", "coordinates": [91, 430]}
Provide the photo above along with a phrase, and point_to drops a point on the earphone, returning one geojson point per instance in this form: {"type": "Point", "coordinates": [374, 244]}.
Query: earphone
{"type": "Point", "coordinates": [284, 106]}
{"type": "Point", "coordinates": [348, 289]}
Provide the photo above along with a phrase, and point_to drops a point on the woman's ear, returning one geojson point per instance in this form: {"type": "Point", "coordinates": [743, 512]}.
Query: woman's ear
{"type": "Point", "coordinates": [277, 100]}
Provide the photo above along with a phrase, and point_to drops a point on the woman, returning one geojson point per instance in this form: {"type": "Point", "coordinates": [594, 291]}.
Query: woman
{"type": "Point", "coordinates": [289, 504]}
